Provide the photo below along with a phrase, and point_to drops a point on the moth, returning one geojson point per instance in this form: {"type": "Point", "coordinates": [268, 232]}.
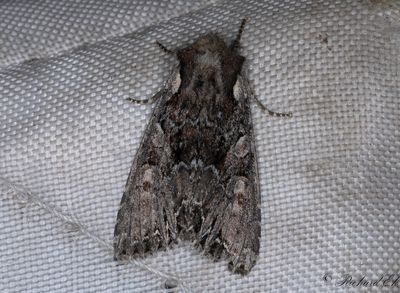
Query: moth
{"type": "Point", "coordinates": [195, 176]}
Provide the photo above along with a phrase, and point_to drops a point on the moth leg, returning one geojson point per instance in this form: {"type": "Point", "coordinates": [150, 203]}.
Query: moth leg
{"type": "Point", "coordinates": [241, 89]}
{"type": "Point", "coordinates": [147, 101]}
{"type": "Point", "coordinates": [165, 49]}
{"type": "Point", "coordinates": [269, 112]}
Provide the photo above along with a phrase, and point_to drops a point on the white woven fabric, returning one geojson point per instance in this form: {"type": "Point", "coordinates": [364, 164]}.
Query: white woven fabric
{"type": "Point", "coordinates": [329, 176]}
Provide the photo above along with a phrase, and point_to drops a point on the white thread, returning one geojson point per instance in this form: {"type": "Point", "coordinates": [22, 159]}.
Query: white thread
{"type": "Point", "coordinates": [24, 198]}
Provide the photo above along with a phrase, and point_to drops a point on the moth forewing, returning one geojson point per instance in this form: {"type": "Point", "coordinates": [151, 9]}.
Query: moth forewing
{"type": "Point", "coordinates": [195, 173]}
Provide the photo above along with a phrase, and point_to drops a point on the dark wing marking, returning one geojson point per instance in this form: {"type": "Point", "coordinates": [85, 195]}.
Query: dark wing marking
{"type": "Point", "coordinates": [146, 220]}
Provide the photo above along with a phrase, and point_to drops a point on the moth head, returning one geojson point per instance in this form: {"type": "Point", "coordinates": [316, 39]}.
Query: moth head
{"type": "Point", "coordinates": [211, 62]}
{"type": "Point", "coordinates": [210, 43]}
{"type": "Point", "coordinates": [214, 46]}
{"type": "Point", "coordinates": [207, 55]}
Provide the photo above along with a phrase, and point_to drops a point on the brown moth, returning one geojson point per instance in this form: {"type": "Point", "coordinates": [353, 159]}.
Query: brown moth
{"type": "Point", "coordinates": [194, 176]}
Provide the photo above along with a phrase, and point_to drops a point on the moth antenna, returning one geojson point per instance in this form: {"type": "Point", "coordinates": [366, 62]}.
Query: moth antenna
{"type": "Point", "coordinates": [235, 44]}
{"type": "Point", "coordinates": [165, 49]}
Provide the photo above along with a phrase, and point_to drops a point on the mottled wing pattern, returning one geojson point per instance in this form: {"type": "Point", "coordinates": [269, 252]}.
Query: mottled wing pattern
{"type": "Point", "coordinates": [146, 220]}
{"type": "Point", "coordinates": [232, 222]}
{"type": "Point", "coordinates": [218, 207]}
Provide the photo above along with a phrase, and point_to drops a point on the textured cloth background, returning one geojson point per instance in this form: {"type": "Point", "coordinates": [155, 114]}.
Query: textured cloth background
{"type": "Point", "coordinates": [329, 176]}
